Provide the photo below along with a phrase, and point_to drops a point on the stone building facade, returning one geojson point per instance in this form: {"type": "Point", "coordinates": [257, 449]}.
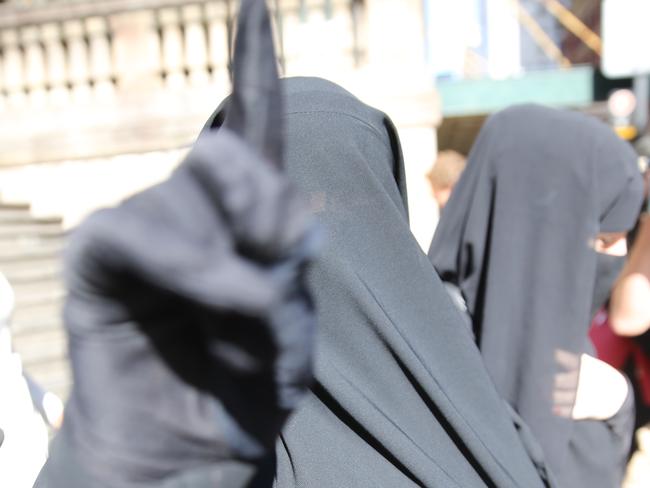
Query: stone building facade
{"type": "Point", "coordinates": [101, 98]}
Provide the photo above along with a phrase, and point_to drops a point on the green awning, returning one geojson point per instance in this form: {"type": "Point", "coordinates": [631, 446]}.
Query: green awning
{"type": "Point", "coordinates": [559, 88]}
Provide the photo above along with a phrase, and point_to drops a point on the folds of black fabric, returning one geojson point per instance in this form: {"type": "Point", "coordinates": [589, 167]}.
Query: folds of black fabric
{"type": "Point", "coordinates": [402, 398]}
{"type": "Point", "coordinates": [190, 328]}
{"type": "Point", "coordinates": [517, 238]}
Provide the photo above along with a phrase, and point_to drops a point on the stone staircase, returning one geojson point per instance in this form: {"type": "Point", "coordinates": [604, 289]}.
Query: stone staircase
{"type": "Point", "coordinates": [30, 258]}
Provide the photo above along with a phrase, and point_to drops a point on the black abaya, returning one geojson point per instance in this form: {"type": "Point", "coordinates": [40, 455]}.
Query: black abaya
{"type": "Point", "coordinates": [517, 238]}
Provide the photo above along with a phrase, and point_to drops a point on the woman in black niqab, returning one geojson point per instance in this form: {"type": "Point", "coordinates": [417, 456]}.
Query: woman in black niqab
{"type": "Point", "coordinates": [401, 397]}
{"type": "Point", "coordinates": [517, 239]}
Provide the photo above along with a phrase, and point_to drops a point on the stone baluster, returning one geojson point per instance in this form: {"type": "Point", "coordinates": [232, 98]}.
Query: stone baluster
{"type": "Point", "coordinates": [231, 27]}
{"type": "Point", "coordinates": [277, 26]}
{"type": "Point", "coordinates": [292, 31]}
{"type": "Point", "coordinates": [136, 50]}
{"type": "Point", "coordinates": [216, 15]}
{"type": "Point", "coordinates": [405, 45]}
{"type": "Point", "coordinates": [310, 41]}
{"type": "Point", "coordinates": [34, 65]}
{"type": "Point", "coordinates": [14, 80]}
{"type": "Point", "coordinates": [328, 9]}
{"type": "Point", "coordinates": [196, 52]}
{"type": "Point", "coordinates": [3, 95]}
{"type": "Point", "coordinates": [341, 31]}
{"type": "Point", "coordinates": [304, 10]}
{"type": "Point", "coordinates": [55, 62]}
{"type": "Point", "coordinates": [101, 62]}
{"type": "Point", "coordinates": [358, 32]}
{"type": "Point", "coordinates": [172, 47]}
{"type": "Point", "coordinates": [78, 68]}
{"type": "Point", "coordinates": [317, 55]}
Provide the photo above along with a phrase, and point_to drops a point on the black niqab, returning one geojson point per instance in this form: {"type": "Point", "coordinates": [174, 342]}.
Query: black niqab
{"type": "Point", "coordinates": [401, 396]}
{"type": "Point", "coordinates": [517, 239]}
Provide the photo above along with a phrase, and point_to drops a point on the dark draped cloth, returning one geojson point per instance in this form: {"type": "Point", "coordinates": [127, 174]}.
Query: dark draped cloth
{"type": "Point", "coordinates": [190, 326]}
{"type": "Point", "coordinates": [401, 398]}
{"type": "Point", "coordinates": [517, 239]}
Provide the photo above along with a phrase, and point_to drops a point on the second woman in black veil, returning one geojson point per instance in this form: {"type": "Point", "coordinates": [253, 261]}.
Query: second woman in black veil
{"type": "Point", "coordinates": [401, 397]}
{"type": "Point", "coordinates": [543, 191]}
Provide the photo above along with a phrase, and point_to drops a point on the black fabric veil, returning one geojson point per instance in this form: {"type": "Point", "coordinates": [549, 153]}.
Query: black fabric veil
{"type": "Point", "coordinates": [190, 327]}
{"type": "Point", "coordinates": [517, 239]}
{"type": "Point", "coordinates": [401, 396]}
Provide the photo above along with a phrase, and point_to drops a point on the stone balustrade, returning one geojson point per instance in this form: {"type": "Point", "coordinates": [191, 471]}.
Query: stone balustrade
{"type": "Point", "coordinates": [59, 53]}
{"type": "Point", "coordinates": [84, 84]}
{"type": "Point", "coordinates": [92, 79]}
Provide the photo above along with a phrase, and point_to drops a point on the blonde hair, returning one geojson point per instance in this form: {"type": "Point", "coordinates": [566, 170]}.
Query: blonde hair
{"type": "Point", "coordinates": [447, 169]}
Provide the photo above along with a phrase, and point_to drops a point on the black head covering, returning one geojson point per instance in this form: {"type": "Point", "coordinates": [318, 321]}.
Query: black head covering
{"type": "Point", "coordinates": [516, 238]}
{"type": "Point", "coordinates": [190, 328]}
{"type": "Point", "coordinates": [401, 396]}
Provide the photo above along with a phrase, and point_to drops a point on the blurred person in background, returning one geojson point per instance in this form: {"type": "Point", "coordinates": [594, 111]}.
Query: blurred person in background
{"type": "Point", "coordinates": [445, 174]}
{"type": "Point", "coordinates": [533, 238]}
{"type": "Point", "coordinates": [23, 433]}
{"type": "Point", "coordinates": [623, 340]}
{"type": "Point", "coordinates": [629, 309]}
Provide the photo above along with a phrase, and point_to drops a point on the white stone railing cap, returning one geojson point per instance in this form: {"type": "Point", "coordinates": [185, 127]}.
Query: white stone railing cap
{"type": "Point", "coordinates": [13, 15]}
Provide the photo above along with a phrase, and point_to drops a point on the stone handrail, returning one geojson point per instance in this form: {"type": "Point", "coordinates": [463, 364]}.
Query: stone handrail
{"type": "Point", "coordinates": [72, 70]}
{"type": "Point", "coordinates": [76, 48]}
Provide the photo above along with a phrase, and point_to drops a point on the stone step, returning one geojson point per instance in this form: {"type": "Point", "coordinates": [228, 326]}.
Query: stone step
{"type": "Point", "coordinates": [29, 228]}
{"type": "Point", "coordinates": [28, 327]}
{"type": "Point", "coordinates": [44, 358]}
{"type": "Point", "coordinates": [41, 346]}
{"type": "Point", "coordinates": [8, 207]}
{"type": "Point", "coordinates": [40, 285]}
{"type": "Point", "coordinates": [18, 273]}
{"type": "Point", "coordinates": [9, 243]}
{"type": "Point", "coordinates": [39, 294]}
{"type": "Point", "coordinates": [44, 314]}
{"type": "Point", "coordinates": [44, 251]}
{"type": "Point", "coordinates": [21, 213]}
{"type": "Point", "coordinates": [53, 376]}
{"type": "Point", "coordinates": [28, 243]}
{"type": "Point", "coordinates": [13, 243]}
{"type": "Point", "coordinates": [30, 256]}
{"type": "Point", "coordinates": [58, 371]}
{"type": "Point", "coordinates": [24, 216]}
{"type": "Point", "coordinates": [15, 215]}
